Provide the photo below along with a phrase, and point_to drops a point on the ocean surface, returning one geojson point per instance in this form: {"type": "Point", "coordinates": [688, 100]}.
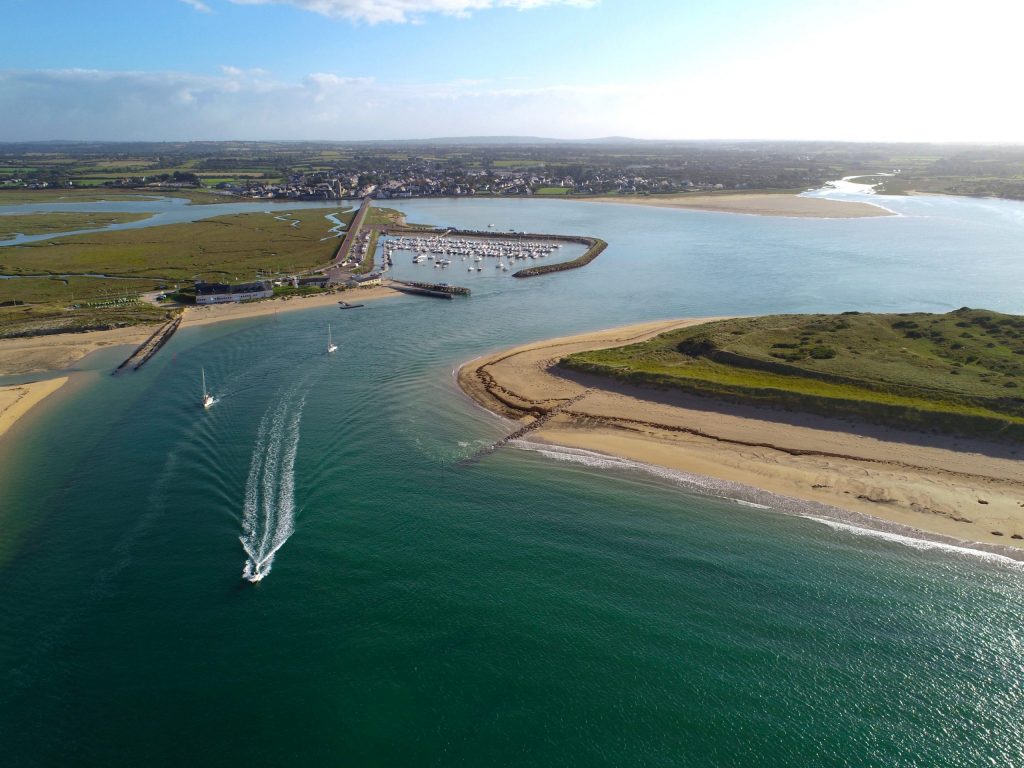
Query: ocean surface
{"type": "Point", "coordinates": [538, 608]}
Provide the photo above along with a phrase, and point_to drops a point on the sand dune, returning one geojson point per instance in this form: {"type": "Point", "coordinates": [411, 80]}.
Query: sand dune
{"type": "Point", "coordinates": [960, 489]}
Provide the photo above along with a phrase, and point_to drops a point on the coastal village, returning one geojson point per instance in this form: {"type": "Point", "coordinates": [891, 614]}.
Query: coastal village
{"type": "Point", "coordinates": [387, 173]}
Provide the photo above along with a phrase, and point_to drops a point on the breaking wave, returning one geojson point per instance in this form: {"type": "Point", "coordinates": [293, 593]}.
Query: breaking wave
{"type": "Point", "coordinates": [837, 519]}
{"type": "Point", "coordinates": [919, 543]}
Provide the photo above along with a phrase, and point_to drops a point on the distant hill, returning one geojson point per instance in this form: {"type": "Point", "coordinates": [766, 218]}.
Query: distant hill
{"type": "Point", "coordinates": [503, 141]}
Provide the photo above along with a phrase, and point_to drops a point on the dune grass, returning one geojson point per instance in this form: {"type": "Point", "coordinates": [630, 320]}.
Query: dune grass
{"type": "Point", "coordinates": [962, 371]}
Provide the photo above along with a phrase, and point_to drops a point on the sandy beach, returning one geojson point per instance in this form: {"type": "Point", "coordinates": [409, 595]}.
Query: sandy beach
{"type": "Point", "coordinates": [220, 312]}
{"type": "Point", "coordinates": [19, 399]}
{"type": "Point", "coordinates": [963, 490]}
{"type": "Point", "coordinates": [757, 204]}
{"type": "Point", "coordinates": [61, 350]}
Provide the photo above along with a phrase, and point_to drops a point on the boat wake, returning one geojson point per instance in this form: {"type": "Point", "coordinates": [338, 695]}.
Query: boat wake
{"type": "Point", "coordinates": [268, 517]}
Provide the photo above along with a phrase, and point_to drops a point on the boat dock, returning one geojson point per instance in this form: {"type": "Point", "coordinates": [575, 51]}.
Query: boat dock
{"type": "Point", "coordinates": [436, 290]}
{"type": "Point", "coordinates": [149, 347]}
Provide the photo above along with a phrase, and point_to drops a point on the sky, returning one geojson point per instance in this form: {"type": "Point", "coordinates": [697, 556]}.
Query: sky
{"type": "Point", "coordinates": [176, 70]}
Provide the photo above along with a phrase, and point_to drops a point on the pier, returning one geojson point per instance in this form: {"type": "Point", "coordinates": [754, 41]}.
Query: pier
{"type": "Point", "coordinates": [417, 291]}
{"type": "Point", "coordinates": [149, 347]}
{"type": "Point", "coordinates": [430, 289]}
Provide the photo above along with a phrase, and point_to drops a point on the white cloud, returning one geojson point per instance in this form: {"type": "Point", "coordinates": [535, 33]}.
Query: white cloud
{"type": "Point", "coordinates": [865, 78]}
{"type": "Point", "coordinates": [199, 5]}
{"type": "Point", "coordinates": [401, 11]}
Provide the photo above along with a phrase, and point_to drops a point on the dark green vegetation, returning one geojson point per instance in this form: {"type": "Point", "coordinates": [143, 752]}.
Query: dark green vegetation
{"type": "Point", "coordinates": [596, 247]}
{"type": "Point", "coordinates": [44, 223]}
{"type": "Point", "coordinates": [961, 372]}
{"type": "Point", "coordinates": [51, 273]}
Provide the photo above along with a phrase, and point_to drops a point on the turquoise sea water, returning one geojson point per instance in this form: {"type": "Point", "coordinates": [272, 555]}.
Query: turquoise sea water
{"type": "Point", "coordinates": [532, 609]}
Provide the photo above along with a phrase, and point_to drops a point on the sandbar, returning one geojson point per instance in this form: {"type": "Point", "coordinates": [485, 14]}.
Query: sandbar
{"type": "Point", "coordinates": [959, 489]}
{"type": "Point", "coordinates": [758, 204]}
{"type": "Point", "coordinates": [18, 399]}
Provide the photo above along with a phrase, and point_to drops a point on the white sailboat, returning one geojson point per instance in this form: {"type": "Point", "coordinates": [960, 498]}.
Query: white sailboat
{"type": "Point", "coordinates": [331, 346]}
{"type": "Point", "coordinates": [208, 398]}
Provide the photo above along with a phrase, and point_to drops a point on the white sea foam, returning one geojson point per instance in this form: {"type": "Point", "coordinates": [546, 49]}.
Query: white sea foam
{"type": "Point", "coordinates": [750, 504]}
{"type": "Point", "coordinates": [268, 515]}
{"type": "Point", "coordinates": [586, 458]}
{"type": "Point", "coordinates": [921, 544]}
{"type": "Point", "coordinates": [727, 490]}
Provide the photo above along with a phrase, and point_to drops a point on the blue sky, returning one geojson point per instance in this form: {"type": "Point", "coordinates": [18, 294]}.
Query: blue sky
{"type": "Point", "coordinates": [364, 69]}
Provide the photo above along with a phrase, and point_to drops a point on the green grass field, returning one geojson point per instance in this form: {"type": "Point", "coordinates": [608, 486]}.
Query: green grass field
{"type": "Point", "coordinates": [16, 196]}
{"type": "Point", "coordinates": [552, 191]}
{"type": "Point", "coordinates": [232, 248]}
{"type": "Point", "coordinates": [384, 217]}
{"type": "Point", "coordinates": [962, 371]}
{"type": "Point", "coordinates": [43, 223]}
{"type": "Point", "coordinates": [38, 320]}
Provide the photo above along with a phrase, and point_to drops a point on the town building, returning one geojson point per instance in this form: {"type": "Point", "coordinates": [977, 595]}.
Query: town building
{"type": "Point", "coordinates": [221, 293]}
{"type": "Point", "coordinates": [359, 281]}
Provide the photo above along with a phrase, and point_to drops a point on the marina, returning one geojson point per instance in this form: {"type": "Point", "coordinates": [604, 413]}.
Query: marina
{"type": "Point", "coordinates": [443, 250]}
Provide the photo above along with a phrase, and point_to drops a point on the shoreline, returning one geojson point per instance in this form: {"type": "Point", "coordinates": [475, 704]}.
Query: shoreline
{"type": "Point", "coordinates": [757, 204]}
{"type": "Point", "coordinates": [16, 400]}
{"type": "Point", "coordinates": [60, 351]}
{"type": "Point", "coordinates": [954, 492]}
{"type": "Point", "coordinates": [219, 313]}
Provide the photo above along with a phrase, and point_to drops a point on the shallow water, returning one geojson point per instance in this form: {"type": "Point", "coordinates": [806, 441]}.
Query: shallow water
{"type": "Point", "coordinates": [165, 210]}
{"type": "Point", "coordinates": [526, 610]}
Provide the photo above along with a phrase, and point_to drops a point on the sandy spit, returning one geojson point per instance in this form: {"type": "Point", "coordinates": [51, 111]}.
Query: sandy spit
{"type": "Point", "coordinates": [62, 350]}
{"type": "Point", "coordinates": [758, 204]}
{"type": "Point", "coordinates": [962, 489]}
{"type": "Point", "coordinates": [19, 399]}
